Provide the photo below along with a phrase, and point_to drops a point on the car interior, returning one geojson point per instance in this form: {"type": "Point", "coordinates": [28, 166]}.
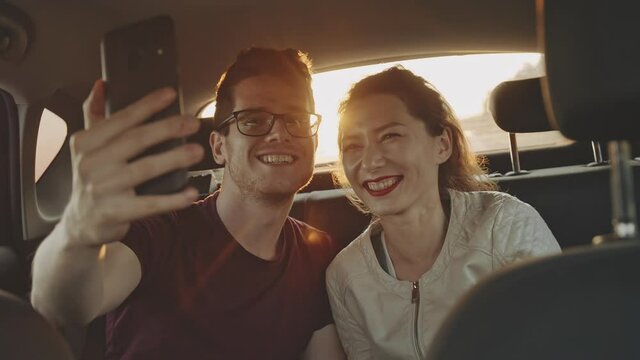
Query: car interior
{"type": "Point", "coordinates": [589, 91]}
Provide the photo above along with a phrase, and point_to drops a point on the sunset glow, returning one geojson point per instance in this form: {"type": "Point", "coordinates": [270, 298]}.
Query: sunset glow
{"type": "Point", "coordinates": [465, 81]}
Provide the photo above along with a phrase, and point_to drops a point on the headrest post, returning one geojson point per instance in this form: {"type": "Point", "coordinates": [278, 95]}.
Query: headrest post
{"type": "Point", "coordinates": [515, 157]}
{"type": "Point", "coordinates": [513, 150]}
{"type": "Point", "coordinates": [622, 197]}
{"type": "Point", "coordinates": [598, 160]}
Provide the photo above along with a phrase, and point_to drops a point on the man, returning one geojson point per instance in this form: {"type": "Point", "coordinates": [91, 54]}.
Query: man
{"type": "Point", "coordinates": [230, 277]}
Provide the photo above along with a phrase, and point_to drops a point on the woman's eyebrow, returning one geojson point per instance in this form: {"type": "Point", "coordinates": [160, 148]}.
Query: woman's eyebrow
{"type": "Point", "coordinates": [388, 125]}
{"type": "Point", "coordinates": [346, 138]}
{"type": "Point", "coordinates": [376, 131]}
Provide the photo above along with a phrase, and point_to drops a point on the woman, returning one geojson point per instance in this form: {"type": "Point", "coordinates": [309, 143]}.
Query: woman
{"type": "Point", "coordinates": [437, 230]}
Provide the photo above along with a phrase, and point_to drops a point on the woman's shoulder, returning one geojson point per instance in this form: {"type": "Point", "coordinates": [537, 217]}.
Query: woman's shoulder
{"type": "Point", "coordinates": [476, 214]}
{"type": "Point", "coordinates": [501, 203]}
{"type": "Point", "coordinates": [493, 206]}
{"type": "Point", "coordinates": [510, 225]}
{"type": "Point", "coordinates": [475, 205]}
{"type": "Point", "coordinates": [484, 199]}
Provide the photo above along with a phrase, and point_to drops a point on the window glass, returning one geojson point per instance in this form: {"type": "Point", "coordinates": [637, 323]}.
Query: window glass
{"type": "Point", "coordinates": [466, 81]}
{"type": "Point", "coordinates": [51, 135]}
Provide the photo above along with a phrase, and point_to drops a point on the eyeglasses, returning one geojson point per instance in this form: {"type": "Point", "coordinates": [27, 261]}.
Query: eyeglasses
{"type": "Point", "coordinates": [259, 122]}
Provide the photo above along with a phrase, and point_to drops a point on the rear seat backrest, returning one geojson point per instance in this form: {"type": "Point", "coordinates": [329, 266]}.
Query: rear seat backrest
{"type": "Point", "coordinates": [574, 201]}
{"type": "Point", "coordinates": [331, 211]}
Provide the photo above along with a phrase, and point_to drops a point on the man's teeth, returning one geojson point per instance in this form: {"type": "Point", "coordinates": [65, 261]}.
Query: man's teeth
{"type": "Point", "coordinates": [276, 159]}
{"type": "Point", "coordinates": [382, 185]}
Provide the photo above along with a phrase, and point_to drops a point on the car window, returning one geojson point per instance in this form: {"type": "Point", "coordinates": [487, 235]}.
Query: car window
{"type": "Point", "coordinates": [51, 135]}
{"type": "Point", "coordinates": [466, 81]}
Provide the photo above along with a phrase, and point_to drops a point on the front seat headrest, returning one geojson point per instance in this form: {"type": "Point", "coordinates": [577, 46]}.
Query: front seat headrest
{"type": "Point", "coordinates": [24, 334]}
{"type": "Point", "coordinates": [592, 52]}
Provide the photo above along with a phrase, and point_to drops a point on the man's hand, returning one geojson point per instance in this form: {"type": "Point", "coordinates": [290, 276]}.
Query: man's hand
{"type": "Point", "coordinates": [103, 201]}
{"type": "Point", "coordinates": [80, 270]}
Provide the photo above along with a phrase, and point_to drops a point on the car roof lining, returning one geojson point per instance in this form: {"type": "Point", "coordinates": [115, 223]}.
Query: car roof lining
{"type": "Point", "coordinates": [210, 34]}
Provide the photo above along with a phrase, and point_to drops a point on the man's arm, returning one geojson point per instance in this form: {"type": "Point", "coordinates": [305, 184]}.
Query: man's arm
{"type": "Point", "coordinates": [73, 285]}
{"type": "Point", "coordinates": [81, 270]}
{"type": "Point", "coordinates": [324, 344]}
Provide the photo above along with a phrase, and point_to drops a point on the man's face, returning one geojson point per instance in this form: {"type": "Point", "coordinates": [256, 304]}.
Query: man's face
{"type": "Point", "coordinates": [274, 166]}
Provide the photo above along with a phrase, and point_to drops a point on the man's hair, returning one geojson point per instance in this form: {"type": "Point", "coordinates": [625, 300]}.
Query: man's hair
{"type": "Point", "coordinates": [463, 171]}
{"type": "Point", "coordinates": [289, 65]}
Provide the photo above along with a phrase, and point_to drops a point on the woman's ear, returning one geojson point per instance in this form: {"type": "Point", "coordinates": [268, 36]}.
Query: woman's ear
{"type": "Point", "coordinates": [217, 143]}
{"type": "Point", "coordinates": [444, 146]}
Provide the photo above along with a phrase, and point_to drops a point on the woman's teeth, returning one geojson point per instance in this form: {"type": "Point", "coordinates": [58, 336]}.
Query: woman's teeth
{"type": "Point", "coordinates": [381, 185]}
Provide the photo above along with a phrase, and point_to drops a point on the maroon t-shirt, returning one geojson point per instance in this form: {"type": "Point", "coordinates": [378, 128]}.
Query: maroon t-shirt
{"type": "Point", "coordinates": [203, 296]}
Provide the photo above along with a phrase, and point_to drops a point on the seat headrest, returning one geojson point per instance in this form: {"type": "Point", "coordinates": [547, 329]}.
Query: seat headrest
{"type": "Point", "coordinates": [517, 106]}
{"type": "Point", "coordinates": [592, 54]}
{"type": "Point", "coordinates": [24, 334]}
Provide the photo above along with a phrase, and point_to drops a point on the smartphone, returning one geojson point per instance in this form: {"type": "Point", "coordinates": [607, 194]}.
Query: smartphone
{"type": "Point", "coordinates": [136, 60]}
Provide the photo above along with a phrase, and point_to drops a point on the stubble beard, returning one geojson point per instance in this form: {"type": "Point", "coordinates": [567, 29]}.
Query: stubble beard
{"type": "Point", "coordinates": [252, 187]}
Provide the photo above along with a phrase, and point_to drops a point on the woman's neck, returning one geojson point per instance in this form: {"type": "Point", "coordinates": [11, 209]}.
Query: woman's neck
{"type": "Point", "coordinates": [414, 239]}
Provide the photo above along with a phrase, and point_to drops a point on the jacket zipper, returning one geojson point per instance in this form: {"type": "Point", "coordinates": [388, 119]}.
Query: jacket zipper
{"type": "Point", "coordinates": [415, 299]}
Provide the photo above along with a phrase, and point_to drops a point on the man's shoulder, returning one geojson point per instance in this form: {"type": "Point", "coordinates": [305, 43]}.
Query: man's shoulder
{"type": "Point", "coordinates": [318, 242]}
{"type": "Point", "coordinates": [311, 236]}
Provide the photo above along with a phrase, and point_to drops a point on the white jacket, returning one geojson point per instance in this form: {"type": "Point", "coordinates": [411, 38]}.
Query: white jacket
{"type": "Point", "coordinates": [381, 317]}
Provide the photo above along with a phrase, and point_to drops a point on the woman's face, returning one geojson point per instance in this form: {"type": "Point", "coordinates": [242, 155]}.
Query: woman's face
{"type": "Point", "coordinates": [389, 157]}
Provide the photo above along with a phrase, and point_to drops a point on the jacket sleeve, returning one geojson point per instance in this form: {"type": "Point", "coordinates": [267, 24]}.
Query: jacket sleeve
{"type": "Point", "coordinates": [354, 341]}
{"type": "Point", "coordinates": [519, 232]}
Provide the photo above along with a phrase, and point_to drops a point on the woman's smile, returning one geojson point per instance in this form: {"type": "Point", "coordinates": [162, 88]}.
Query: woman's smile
{"type": "Point", "coordinates": [383, 185]}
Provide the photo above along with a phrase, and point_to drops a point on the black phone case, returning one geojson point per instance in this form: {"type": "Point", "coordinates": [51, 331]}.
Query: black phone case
{"type": "Point", "coordinates": [136, 60]}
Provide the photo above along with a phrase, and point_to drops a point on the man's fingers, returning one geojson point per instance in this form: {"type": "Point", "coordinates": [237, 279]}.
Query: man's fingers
{"type": "Point", "coordinates": [158, 204]}
{"type": "Point", "coordinates": [147, 205]}
{"type": "Point", "coordinates": [136, 140]}
{"type": "Point", "coordinates": [101, 132]}
{"type": "Point", "coordinates": [145, 107]}
{"type": "Point", "coordinates": [93, 107]}
{"type": "Point", "coordinates": [147, 168]}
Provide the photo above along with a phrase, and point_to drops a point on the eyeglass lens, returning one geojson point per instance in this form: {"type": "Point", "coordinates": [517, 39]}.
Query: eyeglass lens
{"type": "Point", "coordinates": [257, 123]}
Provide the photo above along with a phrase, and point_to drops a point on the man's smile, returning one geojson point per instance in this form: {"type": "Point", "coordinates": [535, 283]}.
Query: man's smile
{"type": "Point", "coordinates": [277, 159]}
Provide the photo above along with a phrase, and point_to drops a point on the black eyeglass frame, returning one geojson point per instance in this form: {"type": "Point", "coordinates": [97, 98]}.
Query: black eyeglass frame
{"type": "Point", "coordinates": [274, 117]}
